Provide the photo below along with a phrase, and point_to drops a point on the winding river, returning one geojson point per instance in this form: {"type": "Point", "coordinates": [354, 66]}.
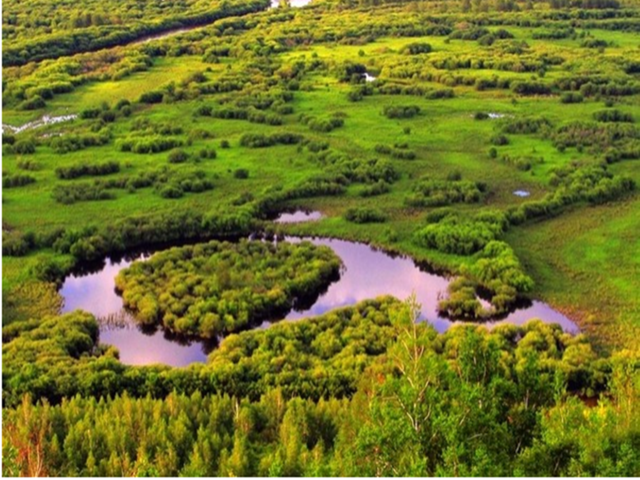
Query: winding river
{"type": "Point", "coordinates": [367, 273]}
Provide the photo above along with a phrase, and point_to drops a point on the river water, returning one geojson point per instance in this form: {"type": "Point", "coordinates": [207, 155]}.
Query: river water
{"type": "Point", "coordinates": [367, 273]}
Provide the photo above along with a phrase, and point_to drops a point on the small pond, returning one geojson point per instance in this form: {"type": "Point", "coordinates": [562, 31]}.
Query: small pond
{"type": "Point", "coordinates": [367, 273]}
{"type": "Point", "coordinates": [521, 193]}
{"type": "Point", "coordinates": [298, 216]}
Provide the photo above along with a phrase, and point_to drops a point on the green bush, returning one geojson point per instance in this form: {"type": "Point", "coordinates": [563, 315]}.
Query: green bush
{"type": "Point", "coordinates": [364, 215]}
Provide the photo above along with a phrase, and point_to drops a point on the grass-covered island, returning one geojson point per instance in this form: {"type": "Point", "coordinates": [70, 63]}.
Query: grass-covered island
{"type": "Point", "coordinates": [219, 287]}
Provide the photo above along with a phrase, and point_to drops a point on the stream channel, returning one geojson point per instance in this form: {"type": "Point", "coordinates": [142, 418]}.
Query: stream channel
{"type": "Point", "coordinates": [367, 273]}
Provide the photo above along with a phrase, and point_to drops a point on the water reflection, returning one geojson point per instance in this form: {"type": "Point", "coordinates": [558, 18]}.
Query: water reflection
{"type": "Point", "coordinates": [367, 273]}
{"type": "Point", "coordinates": [93, 290]}
{"type": "Point", "coordinates": [298, 216]}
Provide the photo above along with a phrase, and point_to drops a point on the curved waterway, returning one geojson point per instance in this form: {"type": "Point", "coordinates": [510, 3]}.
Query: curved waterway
{"type": "Point", "coordinates": [367, 273]}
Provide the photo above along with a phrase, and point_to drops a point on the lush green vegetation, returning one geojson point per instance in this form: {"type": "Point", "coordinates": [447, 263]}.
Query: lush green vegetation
{"type": "Point", "coordinates": [217, 288]}
{"type": "Point", "coordinates": [42, 29]}
{"type": "Point", "coordinates": [469, 401]}
{"type": "Point", "coordinates": [409, 125]}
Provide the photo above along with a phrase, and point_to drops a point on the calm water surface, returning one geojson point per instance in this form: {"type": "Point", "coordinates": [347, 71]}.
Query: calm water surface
{"type": "Point", "coordinates": [367, 273]}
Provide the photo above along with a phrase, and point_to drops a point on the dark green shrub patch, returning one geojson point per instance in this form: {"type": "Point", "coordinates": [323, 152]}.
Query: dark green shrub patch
{"type": "Point", "coordinates": [400, 111]}
{"type": "Point", "coordinates": [258, 140]}
{"type": "Point", "coordinates": [81, 192]}
{"type": "Point", "coordinates": [73, 142]}
{"type": "Point", "coordinates": [144, 145]}
{"type": "Point", "coordinates": [417, 48]}
{"type": "Point", "coordinates": [25, 147]}
{"type": "Point", "coordinates": [322, 124]}
{"type": "Point", "coordinates": [526, 125]}
{"type": "Point", "coordinates": [17, 180]}
{"type": "Point", "coordinates": [178, 156]}
{"type": "Point", "coordinates": [379, 188]}
{"type": "Point", "coordinates": [599, 136]}
{"type": "Point", "coordinates": [364, 215]}
{"type": "Point", "coordinates": [460, 235]}
{"type": "Point", "coordinates": [612, 115]}
{"type": "Point", "coordinates": [87, 169]}
{"type": "Point", "coordinates": [430, 192]}
{"type": "Point", "coordinates": [218, 288]}
{"type": "Point", "coordinates": [395, 152]}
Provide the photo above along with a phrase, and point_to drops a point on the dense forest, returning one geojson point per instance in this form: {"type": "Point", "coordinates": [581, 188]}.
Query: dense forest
{"type": "Point", "coordinates": [493, 142]}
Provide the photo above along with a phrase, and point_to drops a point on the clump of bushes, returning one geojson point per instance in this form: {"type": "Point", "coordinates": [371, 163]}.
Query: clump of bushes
{"type": "Point", "coordinates": [379, 188]}
{"type": "Point", "coordinates": [431, 192]}
{"type": "Point", "coordinates": [25, 147]}
{"type": "Point", "coordinates": [73, 142]}
{"type": "Point", "coordinates": [80, 192]}
{"type": "Point", "coordinates": [571, 97]}
{"type": "Point", "coordinates": [395, 152]}
{"type": "Point", "coordinates": [498, 272]}
{"type": "Point", "coordinates": [178, 156]}
{"type": "Point", "coordinates": [461, 235]}
{"type": "Point", "coordinates": [599, 136]}
{"type": "Point", "coordinates": [322, 124]}
{"type": "Point", "coordinates": [417, 48]}
{"type": "Point", "coordinates": [364, 215]}
{"type": "Point", "coordinates": [218, 287]}
{"type": "Point", "coordinates": [144, 145]}
{"type": "Point", "coordinates": [523, 163]}
{"type": "Point", "coordinates": [87, 169]}
{"type": "Point", "coordinates": [530, 88]}
{"type": "Point", "coordinates": [527, 125]}
{"type": "Point", "coordinates": [612, 115]}
{"type": "Point", "coordinates": [151, 97]}
{"type": "Point", "coordinates": [207, 153]}
{"type": "Point", "coordinates": [400, 111]}
{"type": "Point", "coordinates": [33, 103]}
{"type": "Point", "coordinates": [259, 140]}
{"type": "Point", "coordinates": [17, 180]}
{"type": "Point", "coordinates": [241, 173]}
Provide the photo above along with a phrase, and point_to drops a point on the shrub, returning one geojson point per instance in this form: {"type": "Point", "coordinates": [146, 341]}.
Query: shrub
{"type": "Point", "coordinates": [612, 115]}
{"type": "Point", "coordinates": [33, 103]}
{"type": "Point", "coordinates": [364, 215]}
{"type": "Point", "coordinates": [151, 97]}
{"type": "Point", "coordinates": [378, 188]}
{"type": "Point", "coordinates": [571, 97]}
{"type": "Point", "coordinates": [80, 170]}
{"type": "Point", "coordinates": [74, 142]}
{"type": "Point", "coordinates": [241, 173]}
{"type": "Point", "coordinates": [25, 147]}
{"type": "Point", "coordinates": [80, 192]}
{"type": "Point", "coordinates": [531, 88]}
{"type": "Point", "coordinates": [417, 48]}
{"type": "Point", "coordinates": [430, 192]}
{"type": "Point", "coordinates": [178, 156]}
{"type": "Point", "coordinates": [209, 153]}
{"type": "Point", "coordinates": [460, 235]}
{"type": "Point", "coordinates": [89, 113]}
{"type": "Point", "coordinates": [400, 111]}
{"type": "Point", "coordinates": [18, 180]}
{"type": "Point", "coordinates": [171, 191]}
